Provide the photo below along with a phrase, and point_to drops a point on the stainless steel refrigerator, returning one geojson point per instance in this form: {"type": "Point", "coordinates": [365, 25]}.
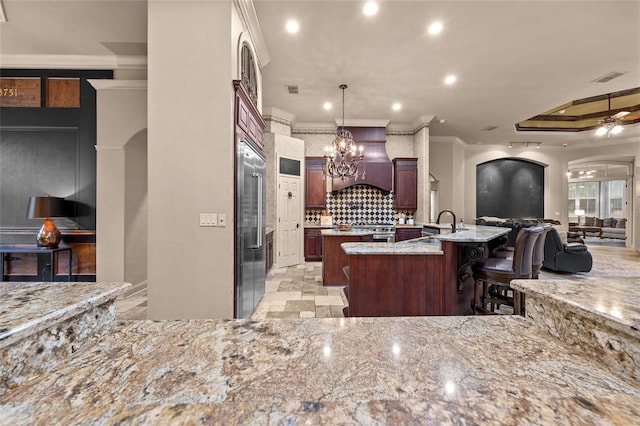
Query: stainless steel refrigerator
{"type": "Point", "coordinates": [250, 227]}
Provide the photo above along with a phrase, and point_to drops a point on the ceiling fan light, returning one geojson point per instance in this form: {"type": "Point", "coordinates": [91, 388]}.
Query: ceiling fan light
{"type": "Point", "coordinates": [616, 129]}
{"type": "Point", "coordinates": [601, 131]}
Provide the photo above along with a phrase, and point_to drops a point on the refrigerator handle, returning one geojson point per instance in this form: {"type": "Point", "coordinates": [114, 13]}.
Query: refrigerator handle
{"type": "Point", "coordinates": [259, 230]}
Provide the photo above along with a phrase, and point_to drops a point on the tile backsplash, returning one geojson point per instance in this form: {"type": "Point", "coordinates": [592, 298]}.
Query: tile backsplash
{"type": "Point", "coordinates": [359, 204]}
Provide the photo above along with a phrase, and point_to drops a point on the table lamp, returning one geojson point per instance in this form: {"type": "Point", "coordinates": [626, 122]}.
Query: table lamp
{"type": "Point", "coordinates": [46, 208]}
{"type": "Point", "coordinates": [579, 213]}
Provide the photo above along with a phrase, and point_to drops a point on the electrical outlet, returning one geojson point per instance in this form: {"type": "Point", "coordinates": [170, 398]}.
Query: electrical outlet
{"type": "Point", "coordinates": [208, 219]}
{"type": "Point", "coordinates": [222, 219]}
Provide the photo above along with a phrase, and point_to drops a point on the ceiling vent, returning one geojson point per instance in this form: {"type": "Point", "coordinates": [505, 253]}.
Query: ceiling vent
{"type": "Point", "coordinates": [608, 77]}
{"type": "Point", "coordinates": [489, 128]}
{"type": "Point", "coordinates": [293, 90]}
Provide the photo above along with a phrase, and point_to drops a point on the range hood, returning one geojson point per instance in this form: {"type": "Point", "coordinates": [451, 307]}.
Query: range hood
{"type": "Point", "coordinates": [377, 167]}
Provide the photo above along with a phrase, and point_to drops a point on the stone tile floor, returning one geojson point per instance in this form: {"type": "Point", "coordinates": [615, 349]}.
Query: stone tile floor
{"type": "Point", "coordinates": [297, 292]}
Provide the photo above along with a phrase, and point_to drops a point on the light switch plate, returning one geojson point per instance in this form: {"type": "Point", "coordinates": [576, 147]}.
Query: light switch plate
{"type": "Point", "coordinates": [208, 219]}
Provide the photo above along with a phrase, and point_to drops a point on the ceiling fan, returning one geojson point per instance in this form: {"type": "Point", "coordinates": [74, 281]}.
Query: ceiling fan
{"type": "Point", "coordinates": [611, 125]}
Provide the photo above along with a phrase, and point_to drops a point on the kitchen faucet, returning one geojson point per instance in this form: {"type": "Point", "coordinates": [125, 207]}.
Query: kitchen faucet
{"type": "Point", "coordinates": [453, 225]}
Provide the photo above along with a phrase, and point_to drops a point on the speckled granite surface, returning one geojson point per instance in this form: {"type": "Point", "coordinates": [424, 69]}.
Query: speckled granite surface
{"type": "Point", "coordinates": [42, 324]}
{"type": "Point", "coordinates": [474, 234]}
{"type": "Point", "coordinates": [601, 316]}
{"type": "Point", "coordinates": [409, 247]}
{"type": "Point", "coordinates": [337, 232]}
{"type": "Point", "coordinates": [27, 308]}
{"type": "Point", "coordinates": [465, 370]}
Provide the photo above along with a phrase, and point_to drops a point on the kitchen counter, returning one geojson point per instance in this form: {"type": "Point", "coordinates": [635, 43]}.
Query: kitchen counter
{"type": "Point", "coordinates": [460, 370]}
{"type": "Point", "coordinates": [474, 234]}
{"type": "Point", "coordinates": [351, 232]}
{"type": "Point", "coordinates": [418, 246]}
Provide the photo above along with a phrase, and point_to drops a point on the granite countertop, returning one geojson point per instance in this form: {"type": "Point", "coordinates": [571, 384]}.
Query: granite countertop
{"type": "Point", "coordinates": [474, 234]}
{"type": "Point", "coordinates": [412, 370]}
{"type": "Point", "coordinates": [335, 232]}
{"type": "Point", "coordinates": [417, 246]}
{"type": "Point", "coordinates": [28, 308]}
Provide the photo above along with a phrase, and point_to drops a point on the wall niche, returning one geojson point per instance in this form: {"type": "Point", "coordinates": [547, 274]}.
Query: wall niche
{"type": "Point", "coordinates": [510, 188]}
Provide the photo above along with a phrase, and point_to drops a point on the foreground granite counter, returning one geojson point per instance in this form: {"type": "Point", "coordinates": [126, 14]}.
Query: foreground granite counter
{"type": "Point", "coordinates": [453, 370]}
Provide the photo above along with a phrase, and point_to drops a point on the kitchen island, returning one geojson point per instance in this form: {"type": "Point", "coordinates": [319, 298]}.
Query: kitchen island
{"type": "Point", "coordinates": [334, 259]}
{"type": "Point", "coordinates": [411, 370]}
{"type": "Point", "coordinates": [417, 277]}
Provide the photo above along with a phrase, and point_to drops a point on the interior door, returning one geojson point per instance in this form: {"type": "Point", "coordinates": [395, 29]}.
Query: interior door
{"type": "Point", "coordinates": [289, 227]}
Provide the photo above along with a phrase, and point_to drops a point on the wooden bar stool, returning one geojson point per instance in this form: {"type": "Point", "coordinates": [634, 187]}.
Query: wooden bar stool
{"type": "Point", "coordinates": [493, 275]}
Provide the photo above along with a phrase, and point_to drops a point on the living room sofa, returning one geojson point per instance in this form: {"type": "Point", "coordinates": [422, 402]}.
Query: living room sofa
{"type": "Point", "coordinates": [611, 227]}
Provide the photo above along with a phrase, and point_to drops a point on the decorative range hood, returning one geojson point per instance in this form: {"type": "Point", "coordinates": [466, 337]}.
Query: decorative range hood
{"type": "Point", "coordinates": [377, 167]}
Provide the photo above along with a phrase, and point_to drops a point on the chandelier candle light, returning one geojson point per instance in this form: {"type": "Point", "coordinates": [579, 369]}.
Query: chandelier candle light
{"type": "Point", "coordinates": [342, 156]}
{"type": "Point", "coordinates": [610, 125]}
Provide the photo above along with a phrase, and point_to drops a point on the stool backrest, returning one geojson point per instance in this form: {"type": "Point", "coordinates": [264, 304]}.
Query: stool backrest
{"type": "Point", "coordinates": [538, 249]}
{"type": "Point", "coordinates": [523, 251]}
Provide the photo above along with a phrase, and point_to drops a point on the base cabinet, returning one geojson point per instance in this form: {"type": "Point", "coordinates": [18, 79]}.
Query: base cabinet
{"type": "Point", "coordinates": [313, 244]}
{"type": "Point", "coordinates": [403, 234]}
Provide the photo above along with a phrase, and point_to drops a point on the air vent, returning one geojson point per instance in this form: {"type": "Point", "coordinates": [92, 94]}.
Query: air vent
{"type": "Point", "coordinates": [489, 128]}
{"type": "Point", "coordinates": [608, 77]}
{"type": "Point", "coordinates": [293, 90]}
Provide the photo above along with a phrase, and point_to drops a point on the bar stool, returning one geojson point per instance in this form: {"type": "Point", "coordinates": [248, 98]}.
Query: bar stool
{"type": "Point", "coordinates": [493, 275]}
{"type": "Point", "coordinates": [538, 252]}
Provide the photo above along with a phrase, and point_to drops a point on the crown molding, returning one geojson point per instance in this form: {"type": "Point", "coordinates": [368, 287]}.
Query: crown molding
{"type": "Point", "coordinates": [74, 61]}
{"type": "Point", "coordinates": [107, 84]}
{"type": "Point", "coordinates": [249, 18]}
{"type": "Point", "coordinates": [365, 122]}
{"type": "Point", "coordinates": [279, 116]}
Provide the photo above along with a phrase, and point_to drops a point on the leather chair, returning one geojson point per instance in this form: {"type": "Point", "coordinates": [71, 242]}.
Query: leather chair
{"type": "Point", "coordinates": [493, 275]}
{"type": "Point", "coordinates": [538, 252]}
{"type": "Point", "coordinates": [565, 257]}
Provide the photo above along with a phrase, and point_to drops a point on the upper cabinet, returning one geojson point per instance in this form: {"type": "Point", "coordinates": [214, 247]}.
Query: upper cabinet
{"type": "Point", "coordinates": [248, 118]}
{"type": "Point", "coordinates": [405, 183]}
{"type": "Point", "coordinates": [315, 186]}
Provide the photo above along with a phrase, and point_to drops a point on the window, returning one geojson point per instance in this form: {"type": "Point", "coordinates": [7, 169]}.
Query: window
{"type": "Point", "coordinates": [598, 198]}
{"type": "Point", "coordinates": [249, 77]}
{"type": "Point", "coordinates": [599, 189]}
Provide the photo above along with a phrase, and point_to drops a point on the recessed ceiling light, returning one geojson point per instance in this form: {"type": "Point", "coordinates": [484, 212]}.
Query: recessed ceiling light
{"type": "Point", "coordinates": [562, 111]}
{"type": "Point", "coordinates": [442, 121]}
{"type": "Point", "coordinates": [396, 107]}
{"type": "Point", "coordinates": [435, 28]}
{"type": "Point", "coordinates": [327, 106]}
{"type": "Point", "coordinates": [370, 8]}
{"type": "Point", "coordinates": [292, 26]}
{"type": "Point", "coordinates": [450, 79]}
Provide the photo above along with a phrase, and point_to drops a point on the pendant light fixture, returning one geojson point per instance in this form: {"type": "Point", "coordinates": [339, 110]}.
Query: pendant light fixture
{"type": "Point", "coordinates": [342, 156]}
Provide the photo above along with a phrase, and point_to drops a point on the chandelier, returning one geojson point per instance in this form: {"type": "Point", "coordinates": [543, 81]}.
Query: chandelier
{"type": "Point", "coordinates": [342, 156]}
{"type": "Point", "coordinates": [610, 126]}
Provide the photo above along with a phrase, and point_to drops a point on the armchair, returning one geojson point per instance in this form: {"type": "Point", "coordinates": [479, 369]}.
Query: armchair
{"type": "Point", "coordinates": [565, 257]}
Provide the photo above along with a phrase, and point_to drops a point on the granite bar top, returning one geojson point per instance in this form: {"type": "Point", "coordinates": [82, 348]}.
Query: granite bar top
{"type": "Point", "coordinates": [417, 246]}
{"type": "Point", "coordinates": [412, 370]}
{"type": "Point", "coordinates": [335, 232]}
{"type": "Point", "coordinates": [474, 234]}
{"type": "Point", "coordinates": [601, 316]}
{"type": "Point", "coordinates": [614, 301]}
{"type": "Point", "coordinates": [27, 308]}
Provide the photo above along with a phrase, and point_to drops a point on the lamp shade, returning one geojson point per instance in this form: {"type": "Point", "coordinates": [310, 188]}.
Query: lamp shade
{"type": "Point", "coordinates": [579, 212]}
{"type": "Point", "coordinates": [46, 207]}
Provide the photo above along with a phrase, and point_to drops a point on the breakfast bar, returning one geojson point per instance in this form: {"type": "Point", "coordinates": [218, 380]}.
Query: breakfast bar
{"type": "Point", "coordinates": [422, 276]}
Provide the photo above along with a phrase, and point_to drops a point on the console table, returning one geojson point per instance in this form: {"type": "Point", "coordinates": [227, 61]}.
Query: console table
{"type": "Point", "coordinates": [31, 249]}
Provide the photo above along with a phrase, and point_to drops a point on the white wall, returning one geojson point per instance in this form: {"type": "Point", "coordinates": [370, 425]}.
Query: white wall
{"type": "Point", "coordinates": [135, 208]}
{"type": "Point", "coordinates": [121, 120]}
{"type": "Point", "coordinates": [192, 57]}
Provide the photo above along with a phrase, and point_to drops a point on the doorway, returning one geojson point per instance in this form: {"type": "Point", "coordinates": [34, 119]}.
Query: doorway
{"type": "Point", "coordinates": [288, 226]}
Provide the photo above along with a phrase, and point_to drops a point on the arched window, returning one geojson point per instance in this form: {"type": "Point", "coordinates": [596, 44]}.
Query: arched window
{"type": "Point", "coordinates": [249, 77]}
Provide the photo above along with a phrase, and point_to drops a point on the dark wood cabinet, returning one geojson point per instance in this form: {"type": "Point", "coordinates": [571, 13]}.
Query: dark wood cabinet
{"type": "Point", "coordinates": [408, 233]}
{"type": "Point", "coordinates": [313, 244]}
{"type": "Point", "coordinates": [249, 122]}
{"type": "Point", "coordinates": [335, 259]}
{"type": "Point", "coordinates": [405, 183]}
{"type": "Point", "coordinates": [315, 183]}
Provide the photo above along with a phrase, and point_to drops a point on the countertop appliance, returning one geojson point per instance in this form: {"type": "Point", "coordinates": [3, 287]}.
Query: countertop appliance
{"type": "Point", "coordinates": [250, 227]}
